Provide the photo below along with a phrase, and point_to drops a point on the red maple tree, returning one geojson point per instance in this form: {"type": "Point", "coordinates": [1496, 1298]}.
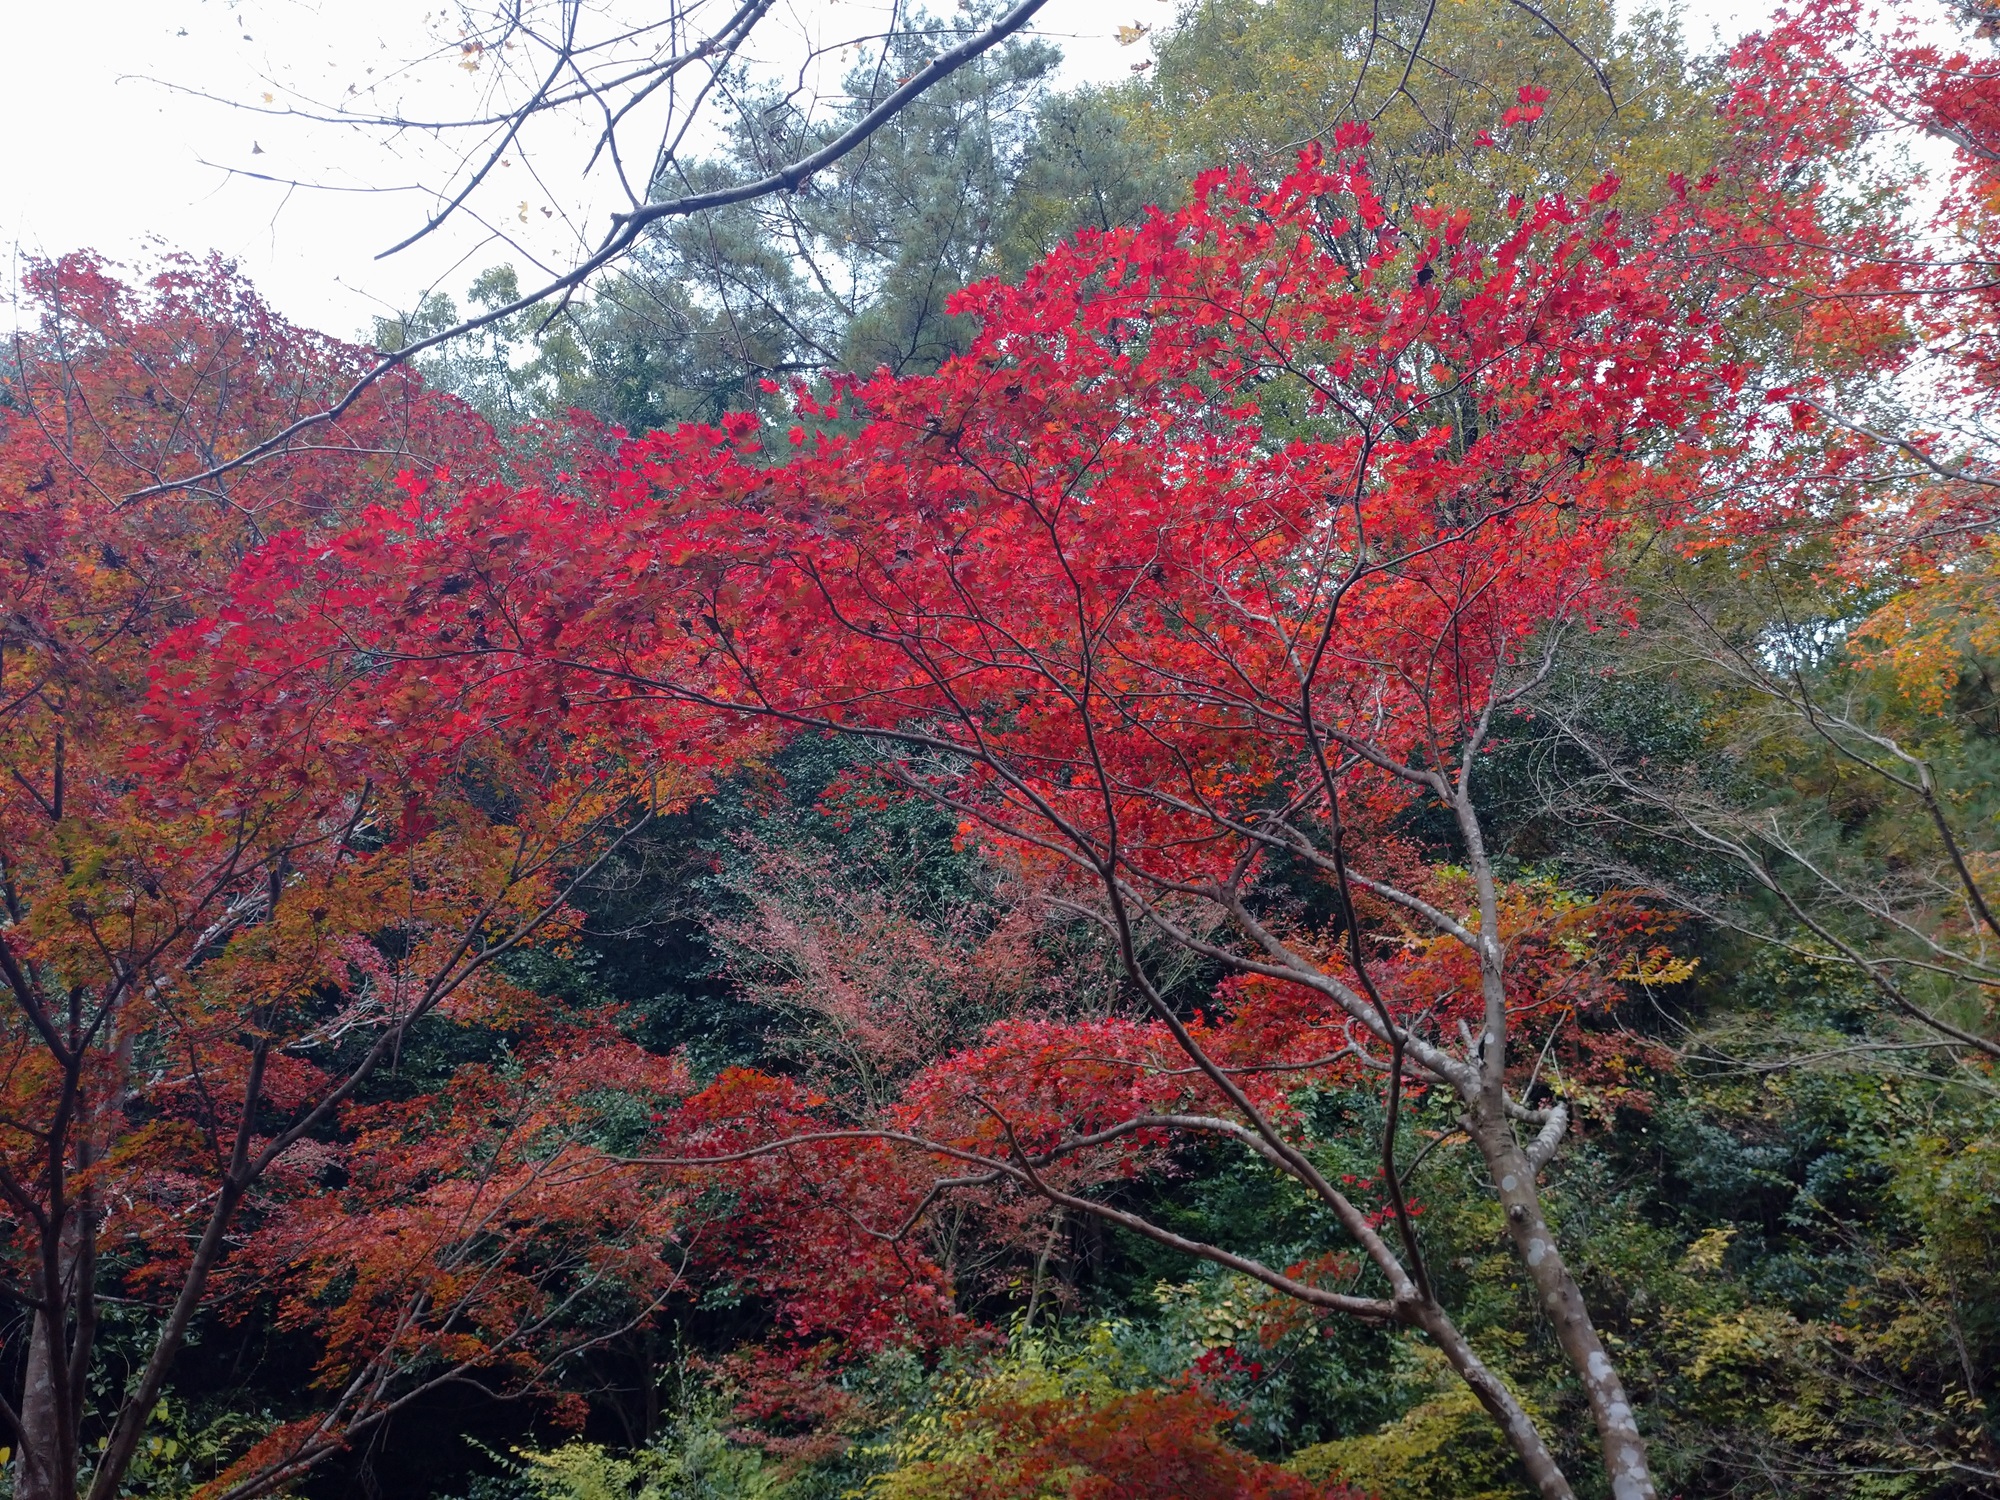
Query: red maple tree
{"type": "Point", "coordinates": [1154, 653]}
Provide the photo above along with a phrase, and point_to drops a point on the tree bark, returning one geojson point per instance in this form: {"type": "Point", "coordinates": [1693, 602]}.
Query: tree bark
{"type": "Point", "coordinates": [1522, 1435]}
{"type": "Point", "coordinates": [1619, 1442]}
{"type": "Point", "coordinates": [1619, 1439]}
{"type": "Point", "coordinates": [45, 1468]}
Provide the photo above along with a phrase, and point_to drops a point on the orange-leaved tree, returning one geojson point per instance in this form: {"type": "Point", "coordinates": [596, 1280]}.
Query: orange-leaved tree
{"type": "Point", "coordinates": [205, 960]}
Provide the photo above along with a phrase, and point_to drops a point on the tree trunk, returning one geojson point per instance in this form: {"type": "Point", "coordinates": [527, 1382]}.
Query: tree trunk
{"type": "Point", "coordinates": [1624, 1450]}
{"type": "Point", "coordinates": [1522, 1435]}
{"type": "Point", "coordinates": [45, 1468]}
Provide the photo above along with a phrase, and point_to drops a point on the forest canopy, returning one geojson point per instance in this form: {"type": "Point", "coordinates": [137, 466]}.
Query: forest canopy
{"type": "Point", "coordinates": [1277, 781]}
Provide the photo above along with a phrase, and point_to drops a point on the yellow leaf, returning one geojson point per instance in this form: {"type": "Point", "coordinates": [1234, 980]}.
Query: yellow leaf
{"type": "Point", "coordinates": [1656, 967]}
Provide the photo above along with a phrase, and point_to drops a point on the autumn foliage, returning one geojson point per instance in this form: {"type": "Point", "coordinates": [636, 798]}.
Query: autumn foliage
{"type": "Point", "coordinates": [1219, 561]}
{"type": "Point", "coordinates": [207, 966]}
{"type": "Point", "coordinates": [1077, 590]}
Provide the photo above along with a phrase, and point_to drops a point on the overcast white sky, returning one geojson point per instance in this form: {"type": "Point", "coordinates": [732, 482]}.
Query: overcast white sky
{"type": "Point", "coordinates": [100, 154]}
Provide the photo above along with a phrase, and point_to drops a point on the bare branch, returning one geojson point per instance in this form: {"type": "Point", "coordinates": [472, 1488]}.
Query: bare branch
{"type": "Point", "coordinates": [624, 234]}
